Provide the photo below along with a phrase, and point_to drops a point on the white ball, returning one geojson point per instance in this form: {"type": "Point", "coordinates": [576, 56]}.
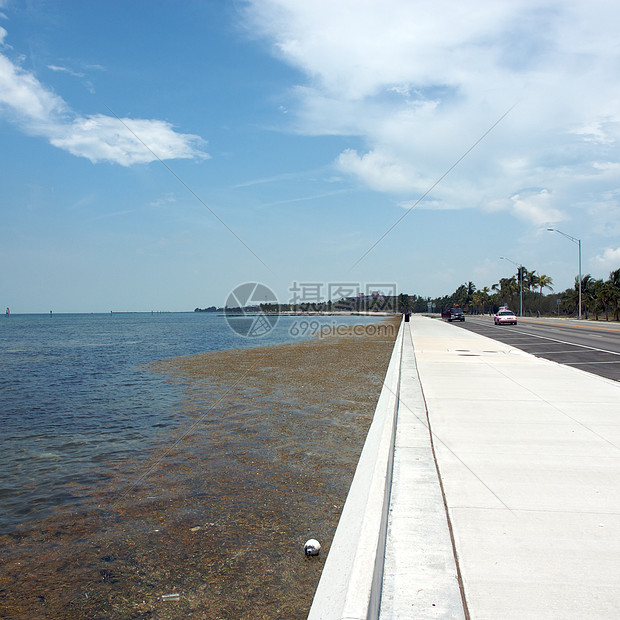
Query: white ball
{"type": "Point", "coordinates": [312, 547]}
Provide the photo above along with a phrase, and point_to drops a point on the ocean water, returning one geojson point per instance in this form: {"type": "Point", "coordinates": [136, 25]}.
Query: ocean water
{"type": "Point", "coordinates": [77, 394]}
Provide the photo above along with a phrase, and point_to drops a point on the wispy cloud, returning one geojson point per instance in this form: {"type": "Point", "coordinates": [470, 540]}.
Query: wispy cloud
{"type": "Point", "coordinates": [80, 75]}
{"type": "Point", "coordinates": [307, 198]}
{"type": "Point", "coordinates": [58, 69]}
{"type": "Point", "coordinates": [287, 176]}
{"type": "Point", "coordinates": [104, 216]}
{"type": "Point", "coordinates": [164, 201]}
{"type": "Point", "coordinates": [272, 179]}
{"type": "Point", "coordinates": [39, 112]}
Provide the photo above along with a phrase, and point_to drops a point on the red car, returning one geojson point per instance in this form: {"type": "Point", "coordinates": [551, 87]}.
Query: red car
{"type": "Point", "coordinates": [505, 317]}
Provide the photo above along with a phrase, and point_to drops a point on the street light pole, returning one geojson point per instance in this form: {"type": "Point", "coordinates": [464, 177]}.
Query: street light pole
{"type": "Point", "coordinates": [578, 242]}
{"type": "Point", "coordinates": [520, 267]}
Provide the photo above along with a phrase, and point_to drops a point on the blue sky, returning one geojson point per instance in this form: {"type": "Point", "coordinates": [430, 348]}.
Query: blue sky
{"type": "Point", "coordinates": [157, 154]}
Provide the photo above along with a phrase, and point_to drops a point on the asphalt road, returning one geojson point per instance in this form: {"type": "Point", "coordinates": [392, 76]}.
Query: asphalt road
{"type": "Point", "coordinates": [593, 346]}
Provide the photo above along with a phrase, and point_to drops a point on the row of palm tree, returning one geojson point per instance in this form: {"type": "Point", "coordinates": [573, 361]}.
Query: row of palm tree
{"type": "Point", "coordinates": [598, 297]}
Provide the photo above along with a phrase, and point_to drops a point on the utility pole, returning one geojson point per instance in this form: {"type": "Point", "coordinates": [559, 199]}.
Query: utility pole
{"type": "Point", "coordinates": [520, 268]}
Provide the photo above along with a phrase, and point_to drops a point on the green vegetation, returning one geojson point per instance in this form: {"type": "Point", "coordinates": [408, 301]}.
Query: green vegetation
{"type": "Point", "coordinates": [599, 298]}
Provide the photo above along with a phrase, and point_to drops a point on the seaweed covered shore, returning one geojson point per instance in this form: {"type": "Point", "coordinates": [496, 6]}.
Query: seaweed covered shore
{"type": "Point", "coordinates": [211, 522]}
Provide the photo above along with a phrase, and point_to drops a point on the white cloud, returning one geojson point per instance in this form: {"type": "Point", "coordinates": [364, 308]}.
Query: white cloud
{"type": "Point", "coordinates": [24, 98]}
{"type": "Point", "coordinates": [535, 207]}
{"type": "Point", "coordinates": [124, 141]}
{"type": "Point", "coordinates": [40, 112]}
{"type": "Point", "coordinates": [609, 259]}
{"type": "Point", "coordinates": [596, 131]}
{"type": "Point", "coordinates": [420, 82]}
{"type": "Point", "coordinates": [378, 171]}
{"type": "Point", "coordinates": [354, 49]}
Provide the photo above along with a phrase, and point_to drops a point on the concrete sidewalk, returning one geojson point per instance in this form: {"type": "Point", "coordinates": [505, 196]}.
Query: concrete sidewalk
{"type": "Point", "coordinates": [528, 453]}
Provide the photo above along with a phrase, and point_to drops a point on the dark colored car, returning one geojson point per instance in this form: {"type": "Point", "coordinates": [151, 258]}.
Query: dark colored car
{"type": "Point", "coordinates": [456, 314]}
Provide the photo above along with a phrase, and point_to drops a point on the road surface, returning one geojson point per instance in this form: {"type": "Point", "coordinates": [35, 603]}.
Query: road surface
{"type": "Point", "coordinates": [593, 346]}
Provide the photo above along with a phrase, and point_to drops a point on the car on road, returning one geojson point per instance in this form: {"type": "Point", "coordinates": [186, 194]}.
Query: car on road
{"type": "Point", "coordinates": [456, 314]}
{"type": "Point", "coordinates": [505, 317]}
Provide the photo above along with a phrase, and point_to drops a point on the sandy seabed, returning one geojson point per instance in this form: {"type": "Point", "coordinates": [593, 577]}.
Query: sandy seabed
{"type": "Point", "coordinates": [212, 522]}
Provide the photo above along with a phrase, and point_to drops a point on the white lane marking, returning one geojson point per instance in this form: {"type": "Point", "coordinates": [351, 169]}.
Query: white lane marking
{"type": "Point", "coordinates": [572, 344]}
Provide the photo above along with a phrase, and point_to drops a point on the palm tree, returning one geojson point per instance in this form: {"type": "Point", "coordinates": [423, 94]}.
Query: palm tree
{"type": "Point", "coordinates": [484, 291]}
{"type": "Point", "coordinates": [614, 281]}
{"type": "Point", "coordinates": [544, 281]}
{"type": "Point", "coordinates": [496, 298]}
{"type": "Point", "coordinates": [570, 300]}
{"type": "Point", "coordinates": [588, 293]}
{"type": "Point", "coordinates": [460, 296]}
{"type": "Point", "coordinates": [508, 289]}
{"type": "Point", "coordinates": [533, 280]}
{"type": "Point", "coordinates": [478, 301]}
{"type": "Point", "coordinates": [604, 297]}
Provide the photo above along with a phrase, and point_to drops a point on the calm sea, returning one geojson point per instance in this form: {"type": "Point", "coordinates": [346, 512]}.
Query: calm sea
{"type": "Point", "coordinates": [76, 392]}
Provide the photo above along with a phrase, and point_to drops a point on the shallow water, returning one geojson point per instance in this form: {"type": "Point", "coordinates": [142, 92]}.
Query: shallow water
{"type": "Point", "coordinates": [77, 395]}
{"type": "Point", "coordinates": [256, 456]}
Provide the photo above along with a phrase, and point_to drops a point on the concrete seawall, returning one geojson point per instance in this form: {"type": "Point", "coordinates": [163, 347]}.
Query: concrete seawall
{"type": "Point", "coordinates": [350, 585]}
{"type": "Point", "coordinates": [414, 574]}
